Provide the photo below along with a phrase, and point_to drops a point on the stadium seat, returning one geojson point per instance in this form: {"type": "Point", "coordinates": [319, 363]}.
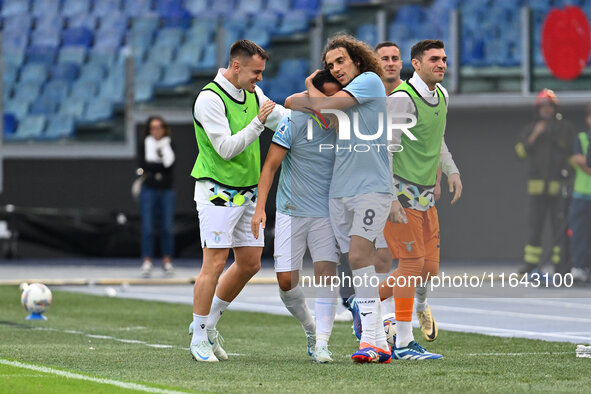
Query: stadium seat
{"type": "Point", "coordinates": [111, 90]}
{"type": "Point", "coordinates": [36, 72]}
{"type": "Point", "coordinates": [92, 71]}
{"type": "Point", "coordinates": [105, 56]}
{"type": "Point", "coordinates": [15, 7]}
{"type": "Point", "coordinates": [108, 38]}
{"type": "Point", "coordinates": [83, 19]}
{"type": "Point", "coordinates": [279, 6]}
{"type": "Point", "coordinates": [13, 56]}
{"type": "Point", "coordinates": [41, 54]}
{"type": "Point", "coordinates": [30, 127]}
{"type": "Point", "coordinates": [195, 7]}
{"type": "Point", "coordinates": [73, 7]}
{"type": "Point", "coordinates": [309, 6]}
{"type": "Point", "coordinates": [18, 108]}
{"type": "Point", "coordinates": [84, 89]}
{"type": "Point", "coordinates": [116, 21]}
{"type": "Point", "coordinates": [59, 126]}
{"type": "Point", "coordinates": [296, 22]}
{"type": "Point", "coordinates": [297, 67]}
{"type": "Point", "coordinates": [10, 73]}
{"type": "Point", "coordinates": [27, 91]}
{"type": "Point", "coordinates": [97, 110]}
{"type": "Point", "coordinates": [146, 24]}
{"type": "Point", "coordinates": [208, 59]}
{"type": "Point", "coordinates": [144, 91]}
{"type": "Point", "coordinates": [188, 54]}
{"type": "Point", "coordinates": [72, 54]}
{"type": "Point", "coordinates": [136, 8]}
{"type": "Point", "coordinates": [43, 106]}
{"type": "Point", "coordinates": [201, 32]}
{"type": "Point", "coordinates": [65, 72]}
{"type": "Point", "coordinates": [73, 106]}
{"type": "Point", "coordinates": [17, 24]}
{"type": "Point", "coordinates": [266, 20]}
{"type": "Point", "coordinates": [56, 91]}
{"type": "Point", "coordinates": [161, 55]}
{"type": "Point", "coordinates": [174, 75]}
{"type": "Point", "coordinates": [249, 6]}
{"type": "Point", "coordinates": [333, 7]}
{"type": "Point", "coordinates": [368, 33]}
{"type": "Point", "coordinates": [77, 36]}
{"type": "Point", "coordinates": [45, 7]}
{"type": "Point", "coordinates": [149, 71]}
{"type": "Point", "coordinates": [10, 123]}
{"type": "Point", "coordinates": [178, 18]}
{"type": "Point", "coordinates": [47, 37]}
{"type": "Point", "coordinates": [261, 37]}
{"type": "Point", "coordinates": [14, 41]}
{"type": "Point", "coordinates": [106, 7]}
{"type": "Point", "coordinates": [170, 36]}
{"type": "Point", "coordinates": [219, 9]}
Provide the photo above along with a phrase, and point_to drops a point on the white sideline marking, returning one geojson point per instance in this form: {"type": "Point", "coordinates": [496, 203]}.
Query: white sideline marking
{"type": "Point", "coordinates": [132, 341]}
{"type": "Point", "coordinates": [517, 354]}
{"type": "Point", "coordinates": [489, 312]}
{"type": "Point", "coordinates": [71, 375]}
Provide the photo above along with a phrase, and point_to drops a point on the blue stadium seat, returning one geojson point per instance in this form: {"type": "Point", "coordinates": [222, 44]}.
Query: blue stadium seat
{"type": "Point", "coordinates": [43, 106]}
{"type": "Point", "coordinates": [161, 55]}
{"type": "Point", "coordinates": [309, 6]}
{"type": "Point", "coordinates": [111, 90]}
{"type": "Point", "coordinates": [45, 7]}
{"type": "Point", "coordinates": [14, 56]}
{"type": "Point", "coordinates": [368, 33]}
{"type": "Point", "coordinates": [105, 56]}
{"type": "Point", "coordinates": [144, 91]}
{"type": "Point", "coordinates": [106, 7]}
{"type": "Point", "coordinates": [146, 24]}
{"type": "Point", "coordinates": [250, 6]}
{"type": "Point", "coordinates": [10, 123]}
{"type": "Point", "coordinates": [202, 31]}
{"type": "Point", "coordinates": [219, 9]}
{"type": "Point", "coordinates": [59, 126]}
{"type": "Point", "coordinates": [97, 110]}
{"type": "Point", "coordinates": [10, 73]}
{"type": "Point", "coordinates": [30, 127]}
{"type": "Point", "coordinates": [296, 22]}
{"type": "Point", "coordinates": [208, 58]}
{"type": "Point", "coordinates": [73, 106]}
{"type": "Point", "coordinates": [41, 54]}
{"type": "Point", "coordinates": [45, 37]}
{"type": "Point", "coordinates": [261, 37]}
{"type": "Point", "coordinates": [139, 40]}
{"type": "Point", "coordinates": [17, 24]}
{"type": "Point", "coordinates": [188, 54]}
{"type": "Point", "coordinates": [397, 32]}
{"type": "Point", "coordinates": [136, 8]}
{"type": "Point", "coordinates": [333, 7]}
{"type": "Point", "coordinates": [164, 7]}
{"type": "Point", "coordinates": [77, 36]}
{"type": "Point", "coordinates": [72, 54]}
{"type": "Point", "coordinates": [266, 20]}
{"type": "Point", "coordinates": [279, 6]}
{"type": "Point", "coordinates": [67, 72]}
{"type": "Point", "coordinates": [108, 38]}
{"type": "Point", "coordinates": [150, 71]}
{"type": "Point", "coordinates": [36, 72]}
{"type": "Point", "coordinates": [170, 36]}
{"type": "Point", "coordinates": [15, 7]}
{"type": "Point", "coordinates": [73, 7]}
{"type": "Point", "coordinates": [92, 72]}
{"type": "Point", "coordinates": [83, 19]}
{"type": "Point", "coordinates": [196, 7]}
{"type": "Point", "coordinates": [116, 21]}
{"type": "Point", "coordinates": [84, 89]}
{"type": "Point", "coordinates": [178, 18]}
{"type": "Point", "coordinates": [175, 74]}
{"type": "Point", "coordinates": [14, 41]}
{"type": "Point", "coordinates": [27, 91]}
{"type": "Point", "coordinates": [20, 108]}
{"type": "Point", "coordinates": [297, 67]}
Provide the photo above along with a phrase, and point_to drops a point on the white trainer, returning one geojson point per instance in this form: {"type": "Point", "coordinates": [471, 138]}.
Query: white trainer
{"type": "Point", "coordinates": [216, 341]}
{"type": "Point", "coordinates": [310, 343]}
{"type": "Point", "coordinates": [147, 268]}
{"type": "Point", "coordinates": [322, 355]}
{"type": "Point", "coordinates": [203, 351]}
{"type": "Point", "coordinates": [168, 268]}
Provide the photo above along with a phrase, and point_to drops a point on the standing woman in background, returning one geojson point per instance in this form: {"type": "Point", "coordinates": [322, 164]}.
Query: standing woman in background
{"type": "Point", "coordinates": [157, 196]}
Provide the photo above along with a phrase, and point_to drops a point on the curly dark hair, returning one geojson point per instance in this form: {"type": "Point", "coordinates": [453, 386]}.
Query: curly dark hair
{"type": "Point", "coordinates": [149, 121]}
{"type": "Point", "coordinates": [361, 54]}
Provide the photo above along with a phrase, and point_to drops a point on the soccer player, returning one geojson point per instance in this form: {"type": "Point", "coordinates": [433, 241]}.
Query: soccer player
{"type": "Point", "coordinates": [229, 115]}
{"type": "Point", "coordinates": [302, 217]}
{"type": "Point", "coordinates": [389, 55]}
{"type": "Point", "coordinates": [361, 187]}
{"type": "Point", "coordinates": [413, 232]}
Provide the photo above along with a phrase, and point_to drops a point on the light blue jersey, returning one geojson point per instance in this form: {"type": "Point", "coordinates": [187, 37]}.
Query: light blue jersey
{"type": "Point", "coordinates": [362, 166]}
{"type": "Point", "coordinates": [306, 170]}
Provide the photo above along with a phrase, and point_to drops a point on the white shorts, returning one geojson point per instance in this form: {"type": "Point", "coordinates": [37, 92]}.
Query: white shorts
{"type": "Point", "coordinates": [294, 234]}
{"type": "Point", "coordinates": [363, 215]}
{"type": "Point", "coordinates": [227, 227]}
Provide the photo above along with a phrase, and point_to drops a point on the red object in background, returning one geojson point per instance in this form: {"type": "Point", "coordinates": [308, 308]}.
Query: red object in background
{"type": "Point", "coordinates": [566, 41]}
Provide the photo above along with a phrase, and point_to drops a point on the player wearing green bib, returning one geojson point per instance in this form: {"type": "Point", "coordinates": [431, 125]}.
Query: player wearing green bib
{"type": "Point", "coordinates": [413, 232]}
{"type": "Point", "coordinates": [229, 115]}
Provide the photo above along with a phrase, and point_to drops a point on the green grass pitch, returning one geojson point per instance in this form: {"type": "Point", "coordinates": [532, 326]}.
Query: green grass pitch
{"type": "Point", "coordinates": [109, 338]}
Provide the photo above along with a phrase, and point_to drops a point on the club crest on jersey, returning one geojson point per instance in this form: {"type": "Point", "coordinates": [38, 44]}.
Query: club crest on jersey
{"type": "Point", "coordinates": [408, 245]}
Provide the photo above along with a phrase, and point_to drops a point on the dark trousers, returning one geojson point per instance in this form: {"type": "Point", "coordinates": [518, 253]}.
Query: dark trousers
{"type": "Point", "coordinates": [580, 224]}
{"type": "Point", "coordinates": [153, 202]}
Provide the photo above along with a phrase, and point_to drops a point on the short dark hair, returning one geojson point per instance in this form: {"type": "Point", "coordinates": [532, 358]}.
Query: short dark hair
{"type": "Point", "coordinates": [385, 44]}
{"type": "Point", "coordinates": [247, 48]}
{"type": "Point", "coordinates": [322, 77]}
{"type": "Point", "coordinates": [418, 49]}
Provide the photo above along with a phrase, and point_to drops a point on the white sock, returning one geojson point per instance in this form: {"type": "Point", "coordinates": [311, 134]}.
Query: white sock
{"type": "Point", "coordinates": [421, 297]}
{"type": "Point", "coordinates": [325, 309]}
{"type": "Point", "coordinates": [368, 300]}
{"type": "Point", "coordinates": [388, 303]}
{"type": "Point", "coordinates": [295, 302]}
{"type": "Point", "coordinates": [218, 306]}
{"type": "Point", "coordinates": [199, 334]}
{"type": "Point", "coordinates": [381, 341]}
{"type": "Point", "coordinates": [404, 334]}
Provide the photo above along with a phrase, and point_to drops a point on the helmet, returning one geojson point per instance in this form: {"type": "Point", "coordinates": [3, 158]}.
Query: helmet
{"type": "Point", "coordinates": [545, 95]}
